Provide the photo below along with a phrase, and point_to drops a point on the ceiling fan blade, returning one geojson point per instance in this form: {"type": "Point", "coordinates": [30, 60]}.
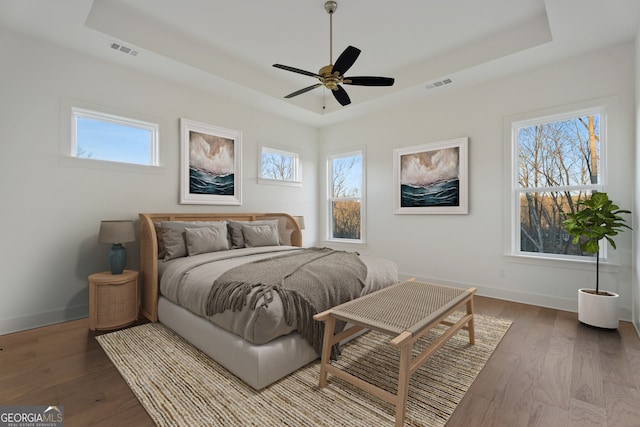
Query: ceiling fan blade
{"type": "Point", "coordinates": [301, 91]}
{"type": "Point", "coordinates": [369, 81]}
{"type": "Point", "coordinates": [341, 96]}
{"type": "Point", "coordinates": [346, 60]}
{"type": "Point", "coordinates": [296, 70]}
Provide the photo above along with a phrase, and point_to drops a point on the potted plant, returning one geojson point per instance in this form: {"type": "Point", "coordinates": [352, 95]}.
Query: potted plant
{"type": "Point", "coordinates": [596, 218]}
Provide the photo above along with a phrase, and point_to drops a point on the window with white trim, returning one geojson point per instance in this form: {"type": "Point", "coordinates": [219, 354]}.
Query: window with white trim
{"type": "Point", "coordinates": [557, 161]}
{"type": "Point", "coordinates": [346, 174]}
{"type": "Point", "coordinates": [107, 137]}
{"type": "Point", "coordinates": [279, 166]}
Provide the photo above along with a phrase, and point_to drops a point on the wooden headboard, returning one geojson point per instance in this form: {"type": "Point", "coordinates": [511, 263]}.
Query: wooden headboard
{"type": "Point", "coordinates": [290, 234]}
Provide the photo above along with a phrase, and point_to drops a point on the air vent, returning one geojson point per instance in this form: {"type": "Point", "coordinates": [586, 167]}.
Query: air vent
{"type": "Point", "coordinates": [439, 83]}
{"type": "Point", "coordinates": [122, 48]}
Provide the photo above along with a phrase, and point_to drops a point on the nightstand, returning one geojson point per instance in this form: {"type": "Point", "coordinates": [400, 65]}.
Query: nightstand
{"type": "Point", "coordinates": [113, 300]}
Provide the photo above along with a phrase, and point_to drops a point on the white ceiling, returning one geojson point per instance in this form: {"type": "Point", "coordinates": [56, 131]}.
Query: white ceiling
{"type": "Point", "coordinates": [228, 47]}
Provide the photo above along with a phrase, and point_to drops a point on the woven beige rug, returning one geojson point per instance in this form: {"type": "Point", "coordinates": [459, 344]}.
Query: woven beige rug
{"type": "Point", "coordinates": [179, 385]}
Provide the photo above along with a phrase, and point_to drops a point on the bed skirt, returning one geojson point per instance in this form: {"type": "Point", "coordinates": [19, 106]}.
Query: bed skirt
{"type": "Point", "coordinates": [256, 365]}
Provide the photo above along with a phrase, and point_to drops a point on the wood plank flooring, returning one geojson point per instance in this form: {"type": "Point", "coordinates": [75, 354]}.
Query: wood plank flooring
{"type": "Point", "coordinates": [548, 371]}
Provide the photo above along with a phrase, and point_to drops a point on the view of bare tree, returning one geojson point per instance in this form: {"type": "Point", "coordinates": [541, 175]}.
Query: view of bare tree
{"type": "Point", "coordinates": [275, 166]}
{"type": "Point", "coordinates": [346, 205]}
{"type": "Point", "coordinates": [81, 152]}
{"type": "Point", "coordinates": [555, 160]}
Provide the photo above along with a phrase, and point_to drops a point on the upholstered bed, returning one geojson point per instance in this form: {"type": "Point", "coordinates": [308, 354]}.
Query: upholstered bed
{"type": "Point", "coordinates": [254, 343]}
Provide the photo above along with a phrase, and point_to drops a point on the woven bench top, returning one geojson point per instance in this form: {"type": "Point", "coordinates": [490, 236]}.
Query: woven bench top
{"type": "Point", "coordinates": [406, 306]}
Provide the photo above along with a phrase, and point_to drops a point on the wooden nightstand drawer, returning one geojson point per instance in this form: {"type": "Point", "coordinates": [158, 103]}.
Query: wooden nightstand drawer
{"type": "Point", "coordinates": [113, 300]}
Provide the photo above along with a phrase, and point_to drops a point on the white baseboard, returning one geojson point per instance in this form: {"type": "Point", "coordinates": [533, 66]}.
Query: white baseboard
{"type": "Point", "coordinates": [558, 303]}
{"type": "Point", "coordinates": [24, 323]}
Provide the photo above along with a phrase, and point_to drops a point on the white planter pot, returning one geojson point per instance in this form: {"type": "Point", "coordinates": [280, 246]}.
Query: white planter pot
{"type": "Point", "coordinates": [598, 310]}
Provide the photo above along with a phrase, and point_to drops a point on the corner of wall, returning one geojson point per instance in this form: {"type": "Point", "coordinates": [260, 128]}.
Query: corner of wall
{"type": "Point", "coordinates": [636, 239]}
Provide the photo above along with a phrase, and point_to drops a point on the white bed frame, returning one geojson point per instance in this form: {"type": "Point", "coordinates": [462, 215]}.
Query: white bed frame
{"type": "Point", "coordinates": [256, 365]}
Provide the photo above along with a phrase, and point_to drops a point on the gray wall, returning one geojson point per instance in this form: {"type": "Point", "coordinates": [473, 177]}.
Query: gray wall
{"type": "Point", "coordinates": [52, 207]}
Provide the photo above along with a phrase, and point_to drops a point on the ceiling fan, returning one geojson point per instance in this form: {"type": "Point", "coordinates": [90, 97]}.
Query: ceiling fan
{"type": "Point", "coordinates": [332, 75]}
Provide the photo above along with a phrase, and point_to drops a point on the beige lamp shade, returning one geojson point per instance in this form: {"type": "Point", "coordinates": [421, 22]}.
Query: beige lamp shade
{"type": "Point", "coordinates": [300, 221]}
{"type": "Point", "coordinates": [116, 232]}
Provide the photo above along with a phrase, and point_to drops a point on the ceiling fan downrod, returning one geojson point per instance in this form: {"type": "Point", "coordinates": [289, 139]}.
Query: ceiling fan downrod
{"type": "Point", "coordinates": [330, 7]}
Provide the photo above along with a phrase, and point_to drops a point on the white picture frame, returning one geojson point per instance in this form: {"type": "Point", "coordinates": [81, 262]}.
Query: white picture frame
{"type": "Point", "coordinates": [431, 178]}
{"type": "Point", "coordinates": [211, 164]}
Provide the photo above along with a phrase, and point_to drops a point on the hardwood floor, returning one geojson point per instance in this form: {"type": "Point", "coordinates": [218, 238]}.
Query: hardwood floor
{"type": "Point", "coordinates": [548, 371]}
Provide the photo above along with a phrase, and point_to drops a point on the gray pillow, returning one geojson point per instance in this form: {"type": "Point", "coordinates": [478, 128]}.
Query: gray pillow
{"type": "Point", "coordinates": [260, 235]}
{"type": "Point", "coordinates": [236, 235]}
{"type": "Point", "coordinates": [173, 235]}
{"type": "Point", "coordinates": [158, 228]}
{"type": "Point", "coordinates": [207, 239]}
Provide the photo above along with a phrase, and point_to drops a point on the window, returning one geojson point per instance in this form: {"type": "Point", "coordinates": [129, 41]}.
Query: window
{"type": "Point", "coordinates": [558, 160]}
{"type": "Point", "coordinates": [346, 189]}
{"type": "Point", "coordinates": [279, 166]}
{"type": "Point", "coordinates": [107, 137]}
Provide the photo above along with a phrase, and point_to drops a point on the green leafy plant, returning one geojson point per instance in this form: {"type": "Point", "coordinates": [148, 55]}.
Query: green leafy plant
{"type": "Point", "coordinates": [596, 218]}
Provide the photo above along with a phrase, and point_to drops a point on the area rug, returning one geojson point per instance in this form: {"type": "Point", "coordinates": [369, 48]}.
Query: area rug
{"type": "Point", "coordinates": [178, 385]}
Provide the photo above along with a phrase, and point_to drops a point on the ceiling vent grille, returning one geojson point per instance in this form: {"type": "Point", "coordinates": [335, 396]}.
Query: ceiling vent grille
{"type": "Point", "coordinates": [439, 83]}
{"type": "Point", "coordinates": [122, 48]}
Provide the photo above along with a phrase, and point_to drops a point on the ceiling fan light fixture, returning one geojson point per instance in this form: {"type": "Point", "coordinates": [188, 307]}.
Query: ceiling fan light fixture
{"type": "Point", "coordinates": [332, 75]}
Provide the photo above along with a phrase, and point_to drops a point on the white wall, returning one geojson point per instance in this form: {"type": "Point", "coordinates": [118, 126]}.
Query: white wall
{"type": "Point", "coordinates": [468, 249]}
{"type": "Point", "coordinates": [51, 210]}
{"type": "Point", "coordinates": [636, 203]}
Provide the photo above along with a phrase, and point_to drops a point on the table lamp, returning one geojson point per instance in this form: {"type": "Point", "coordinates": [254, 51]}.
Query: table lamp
{"type": "Point", "coordinates": [117, 233]}
{"type": "Point", "coordinates": [300, 220]}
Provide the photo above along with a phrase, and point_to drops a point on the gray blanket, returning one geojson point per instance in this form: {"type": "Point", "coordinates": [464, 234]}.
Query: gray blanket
{"type": "Point", "coordinates": [307, 281]}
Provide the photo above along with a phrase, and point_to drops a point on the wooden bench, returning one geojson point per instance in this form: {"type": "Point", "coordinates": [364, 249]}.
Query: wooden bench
{"type": "Point", "coordinates": [405, 311]}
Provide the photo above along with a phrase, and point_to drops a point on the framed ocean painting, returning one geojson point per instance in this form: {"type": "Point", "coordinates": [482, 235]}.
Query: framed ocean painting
{"type": "Point", "coordinates": [211, 165]}
{"type": "Point", "coordinates": [431, 178]}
